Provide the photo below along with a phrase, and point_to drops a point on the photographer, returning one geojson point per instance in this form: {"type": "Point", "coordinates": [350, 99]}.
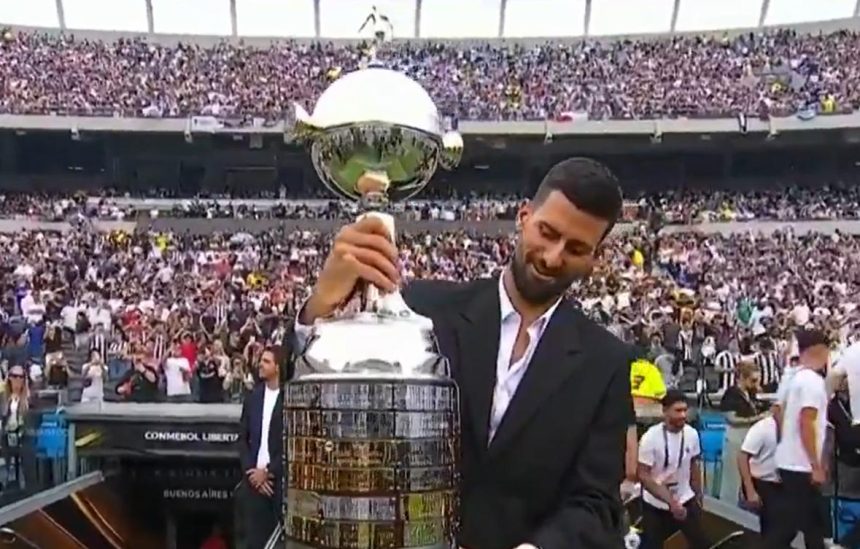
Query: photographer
{"type": "Point", "coordinates": [210, 373]}
{"type": "Point", "coordinates": [140, 384]}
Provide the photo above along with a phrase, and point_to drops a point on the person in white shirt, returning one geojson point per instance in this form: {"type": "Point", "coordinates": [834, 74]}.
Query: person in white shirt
{"type": "Point", "coordinates": [177, 376]}
{"type": "Point", "coordinates": [799, 454]}
{"type": "Point", "coordinates": [670, 473]}
{"type": "Point", "coordinates": [93, 373]}
{"type": "Point", "coordinates": [757, 466]}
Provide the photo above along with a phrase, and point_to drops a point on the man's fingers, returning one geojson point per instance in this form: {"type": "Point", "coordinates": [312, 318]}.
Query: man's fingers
{"type": "Point", "coordinates": [371, 274]}
{"type": "Point", "coordinates": [374, 259]}
{"type": "Point", "coordinates": [380, 243]}
{"type": "Point", "coordinates": [371, 224]}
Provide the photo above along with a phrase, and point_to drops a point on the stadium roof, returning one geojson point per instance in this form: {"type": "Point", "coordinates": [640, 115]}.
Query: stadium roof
{"type": "Point", "coordinates": [442, 19]}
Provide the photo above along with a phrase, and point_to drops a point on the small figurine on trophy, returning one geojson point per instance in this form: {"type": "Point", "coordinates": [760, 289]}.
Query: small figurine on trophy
{"type": "Point", "coordinates": [381, 24]}
{"type": "Point", "coordinates": [383, 31]}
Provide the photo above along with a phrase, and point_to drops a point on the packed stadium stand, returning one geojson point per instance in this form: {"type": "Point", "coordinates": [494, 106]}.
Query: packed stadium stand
{"type": "Point", "coordinates": [152, 202]}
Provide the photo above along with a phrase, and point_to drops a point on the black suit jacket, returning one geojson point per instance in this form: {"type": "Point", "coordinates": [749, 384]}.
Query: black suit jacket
{"type": "Point", "coordinates": [552, 473]}
{"type": "Point", "coordinates": [251, 432]}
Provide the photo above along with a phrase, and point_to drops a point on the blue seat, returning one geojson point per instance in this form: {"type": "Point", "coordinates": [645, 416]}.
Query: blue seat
{"type": "Point", "coordinates": [52, 436]}
{"type": "Point", "coordinates": [712, 444]}
{"type": "Point", "coordinates": [712, 421]}
{"type": "Point", "coordinates": [847, 514]}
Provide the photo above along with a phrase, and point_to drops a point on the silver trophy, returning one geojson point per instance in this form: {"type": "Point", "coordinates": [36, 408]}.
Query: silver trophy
{"type": "Point", "coordinates": [372, 415]}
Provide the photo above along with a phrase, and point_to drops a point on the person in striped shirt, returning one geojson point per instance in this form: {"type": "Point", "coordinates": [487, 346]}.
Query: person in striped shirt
{"type": "Point", "coordinates": [767, 360]}
{"type": "Point", "coordinates": [725, 363]}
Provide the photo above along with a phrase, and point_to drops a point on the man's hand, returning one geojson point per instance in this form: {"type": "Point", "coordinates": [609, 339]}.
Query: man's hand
{"type": "Point", "coordinates": [523, 546]}
{"type": "Point", "coordinates": [360, 251]}
{"type": "Point", "coordinates": [678, 511]}
{"type": "Point", "coordinates": [266, 488]}
{"type": "Point", "coordinates": [753, 499]}
{"type": "Point", "coordinates": [257, 477]}
{"type": "Point", "coordinates": [819, 475]}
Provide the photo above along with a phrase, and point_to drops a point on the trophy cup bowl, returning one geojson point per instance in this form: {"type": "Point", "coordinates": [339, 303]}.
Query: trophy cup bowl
{"type": "Point", "coordinates": [372, 413]}
{"type": "Point", "coordinates": [377, 121]}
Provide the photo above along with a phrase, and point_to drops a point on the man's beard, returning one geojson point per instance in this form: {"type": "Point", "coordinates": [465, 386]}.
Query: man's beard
{"type": "Point", "coordinates": [535, 290]}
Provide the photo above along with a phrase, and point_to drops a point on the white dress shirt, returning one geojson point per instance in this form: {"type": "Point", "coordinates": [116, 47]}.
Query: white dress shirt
{"type": "Point", "coordinates": [269, 399]}
{"type": "Point", "coordinates": [508, 375]}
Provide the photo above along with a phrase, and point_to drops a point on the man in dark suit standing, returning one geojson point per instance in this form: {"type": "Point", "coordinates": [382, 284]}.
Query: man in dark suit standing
{"type": "Point", "coordinates": [545, 392]}
{"type": "Point", "coordinates": [261, 452]}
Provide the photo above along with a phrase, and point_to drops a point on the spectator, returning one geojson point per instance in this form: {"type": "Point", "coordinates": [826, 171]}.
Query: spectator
{"type": "Point", "coordinates": [94, 373]}
{"type": "Point", "coordinates": [177, 375]}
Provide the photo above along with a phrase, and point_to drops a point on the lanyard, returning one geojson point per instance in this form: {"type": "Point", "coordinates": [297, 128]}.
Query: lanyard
{"type": "Point", "coordinates": [666, 449]}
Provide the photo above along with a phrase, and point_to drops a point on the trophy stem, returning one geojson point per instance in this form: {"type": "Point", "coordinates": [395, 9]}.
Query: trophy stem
{"type": "Point", "coordinates": [374, 200]}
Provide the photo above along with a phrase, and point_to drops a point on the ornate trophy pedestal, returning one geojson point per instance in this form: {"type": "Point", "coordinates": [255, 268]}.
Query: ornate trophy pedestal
{"type": "Point", "coordinates": [372, 462]}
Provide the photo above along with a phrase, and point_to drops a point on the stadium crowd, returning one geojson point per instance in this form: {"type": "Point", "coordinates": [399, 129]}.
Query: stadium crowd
{"type": "Point", "coordinates": [145, 316]}
{"type": "Point", "coordinates": [779, 73]}
{"type": "Point", "coordinates": [685, 206]}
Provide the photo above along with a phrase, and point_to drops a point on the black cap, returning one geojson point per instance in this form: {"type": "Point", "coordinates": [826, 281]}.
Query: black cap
{"type": "Point", "coordinates": [810, 338]}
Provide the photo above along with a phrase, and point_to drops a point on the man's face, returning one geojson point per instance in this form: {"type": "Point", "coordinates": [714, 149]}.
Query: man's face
{"type": "Point", "coordinates": [268, 366]}
{"type": "Point", "coordinates": [556, 246]}
{"type": "Point", "coordinates": [753, 383]}
{"type": "Point", "coordinates": [676, 415]}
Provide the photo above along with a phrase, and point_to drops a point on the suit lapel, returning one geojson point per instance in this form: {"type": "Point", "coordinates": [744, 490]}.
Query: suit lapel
{"type": "Point", "coordinates": [259, 396]}
{"type": "Point", "coordinates": [550, 366]}
{"type": "Point", "coordinates": [479, 346]}
{"type": "Point", "coordinates": [276, 426]}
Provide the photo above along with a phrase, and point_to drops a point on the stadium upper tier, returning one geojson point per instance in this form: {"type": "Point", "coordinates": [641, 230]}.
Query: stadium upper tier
{"type": "Point", "coordinates": [420, 18]}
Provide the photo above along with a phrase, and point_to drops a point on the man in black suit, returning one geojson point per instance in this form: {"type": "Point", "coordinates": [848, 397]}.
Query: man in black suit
{"type": "Point", "coordinates": [545, 392]}
{"type": "Point", "coordinates": [261, 452]}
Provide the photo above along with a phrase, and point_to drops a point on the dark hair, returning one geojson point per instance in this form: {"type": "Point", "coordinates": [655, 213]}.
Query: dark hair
{"type": "Point", "coordinates": [588, 184]}
{"type": "Point", "coordinates": [810, 338]}
{"type": "Point", "coordinates": [277, 352]}
{"type": "Point", "coordinates": [672, 397]}
{"type": "Point", "coordinates": [283, 359]}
